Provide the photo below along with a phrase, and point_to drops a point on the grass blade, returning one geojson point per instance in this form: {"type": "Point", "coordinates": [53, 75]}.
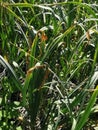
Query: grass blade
{"type": "Point", "coordinates": [6, 65]}
{"type": "Point", "coordinates": [87, 112]}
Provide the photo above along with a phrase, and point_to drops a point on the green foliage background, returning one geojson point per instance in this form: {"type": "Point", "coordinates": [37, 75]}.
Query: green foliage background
{"type": "Point", "coordinates": [48, 64]}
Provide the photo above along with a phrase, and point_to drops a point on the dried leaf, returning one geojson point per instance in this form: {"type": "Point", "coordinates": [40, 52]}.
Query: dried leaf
{"type": "Point", "coordinates": [88, 35]}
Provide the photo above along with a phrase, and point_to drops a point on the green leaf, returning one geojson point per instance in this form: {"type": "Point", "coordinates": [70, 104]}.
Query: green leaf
{"type": "Point", "coordinates": [87, 112]}
{"type": "Point", "coordinates": [13, 76]}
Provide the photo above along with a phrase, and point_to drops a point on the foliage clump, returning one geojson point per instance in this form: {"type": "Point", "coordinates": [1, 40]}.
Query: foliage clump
{"type": "Point", "coordinates": [48, 65]}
